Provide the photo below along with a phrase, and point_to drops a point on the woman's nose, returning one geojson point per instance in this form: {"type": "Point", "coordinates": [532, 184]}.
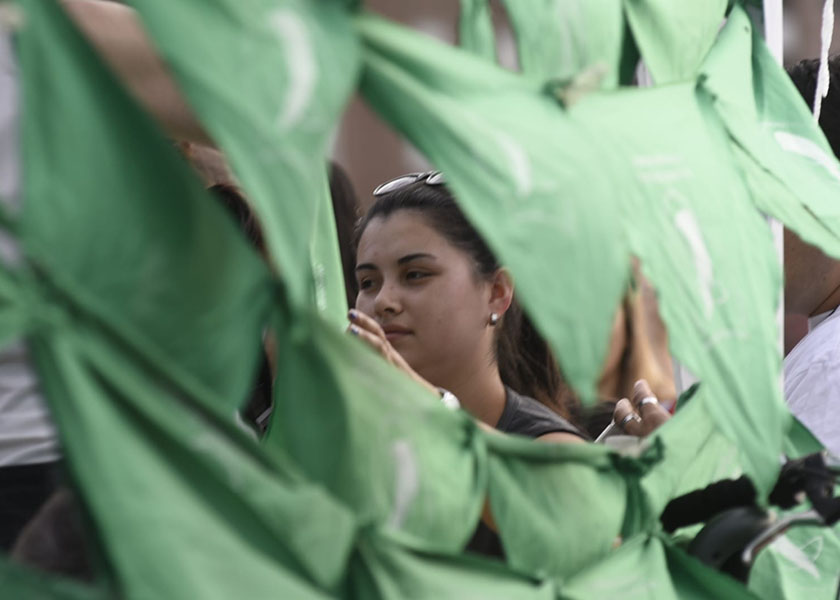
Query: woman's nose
{"type": "Point", "coordinates": [387, 300]}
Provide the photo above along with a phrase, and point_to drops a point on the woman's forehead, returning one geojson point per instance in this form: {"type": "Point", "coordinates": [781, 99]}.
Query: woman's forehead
{"type": "Point", "coordinates": [405, 231]}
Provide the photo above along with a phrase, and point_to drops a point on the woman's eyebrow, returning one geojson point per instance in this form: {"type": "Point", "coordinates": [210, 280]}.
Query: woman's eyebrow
{"type": "Point", "coordinates": [410, 257]}
{"type": "Point", "coordinates": [405, 259]}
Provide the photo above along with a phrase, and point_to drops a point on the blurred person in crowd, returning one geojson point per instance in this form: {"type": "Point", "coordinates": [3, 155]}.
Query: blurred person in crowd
{"type": "Point", "coordinates": [29, 450]}
{"type": "Point", "coordinates": [211, 165]}
{"type": "Point", "coordinates": [256, 411]}
{"type": "Point", "coordinates": [812, 288]}
{"type": "Point", "coordinates": [638, 345]}
{"type": "Point", "coordinates": [638, 350]}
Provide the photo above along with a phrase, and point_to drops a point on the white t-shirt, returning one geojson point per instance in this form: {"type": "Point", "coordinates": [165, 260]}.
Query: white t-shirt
{"type": "Point", "coordinates": [27, 434]}
{"type": "Point", "coordinates": [812, 379]}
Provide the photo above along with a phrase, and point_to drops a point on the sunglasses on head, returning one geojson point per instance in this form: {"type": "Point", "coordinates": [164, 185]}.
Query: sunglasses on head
{"type": "Point", "coordinates": [428, 177]}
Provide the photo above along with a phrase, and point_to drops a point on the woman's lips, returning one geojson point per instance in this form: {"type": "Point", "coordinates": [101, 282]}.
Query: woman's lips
{"type": "Point", "coordinates": [394, 333]}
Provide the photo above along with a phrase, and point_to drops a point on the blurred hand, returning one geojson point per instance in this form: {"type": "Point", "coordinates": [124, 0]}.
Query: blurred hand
{"type": "Point", "coordinates": [642, 414]}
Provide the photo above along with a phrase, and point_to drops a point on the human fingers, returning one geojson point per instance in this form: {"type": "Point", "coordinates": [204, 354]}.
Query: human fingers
{"type": "Point", "coordinates": [365, 322]}
{"type": "Point", "coordinates": [626, 418]}
{"type": "Point", "coordinates": [381, 345]}
{"type": "Point", "coordinates": [648, 407]}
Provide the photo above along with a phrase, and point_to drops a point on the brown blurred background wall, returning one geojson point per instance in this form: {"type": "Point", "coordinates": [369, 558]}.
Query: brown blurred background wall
{"type": "Point", "coordinates": [366, 147]}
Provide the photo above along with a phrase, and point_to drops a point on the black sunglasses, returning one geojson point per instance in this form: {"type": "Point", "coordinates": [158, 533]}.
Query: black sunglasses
{"type": "Point", "coordinates": [429, 178]}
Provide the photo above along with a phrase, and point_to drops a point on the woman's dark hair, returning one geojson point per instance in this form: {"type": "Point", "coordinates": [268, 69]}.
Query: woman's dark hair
{"type": "Point", "coordinates": [526, 363]}
{"type": "Point", "coordinates": [344, 210]}
{"type": "Point", "coordinates": [236, 205]}
{"type": "Point", "coordinates": [804, 77]}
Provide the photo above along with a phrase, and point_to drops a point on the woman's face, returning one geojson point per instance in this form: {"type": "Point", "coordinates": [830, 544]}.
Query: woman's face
{"type": "Point", "coordinates": [425, 294]}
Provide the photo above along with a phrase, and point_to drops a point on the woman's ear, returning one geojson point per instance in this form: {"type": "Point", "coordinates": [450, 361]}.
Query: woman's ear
{"type": "Point", "coordinates": [501, 291]}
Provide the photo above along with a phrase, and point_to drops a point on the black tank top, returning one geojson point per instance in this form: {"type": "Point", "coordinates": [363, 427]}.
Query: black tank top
{"type": "Point", "coordinates": [524, 416]}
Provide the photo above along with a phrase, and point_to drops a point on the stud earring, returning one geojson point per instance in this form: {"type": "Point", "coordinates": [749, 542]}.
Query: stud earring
{"type": "Point", "coordinates": [494, 319]}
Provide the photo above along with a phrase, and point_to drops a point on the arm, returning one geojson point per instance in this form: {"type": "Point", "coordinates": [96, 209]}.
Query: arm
{"type": "Point", "coordinates": [115, 32]}
{"type": "Point", "coordinates": [560, 437]}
